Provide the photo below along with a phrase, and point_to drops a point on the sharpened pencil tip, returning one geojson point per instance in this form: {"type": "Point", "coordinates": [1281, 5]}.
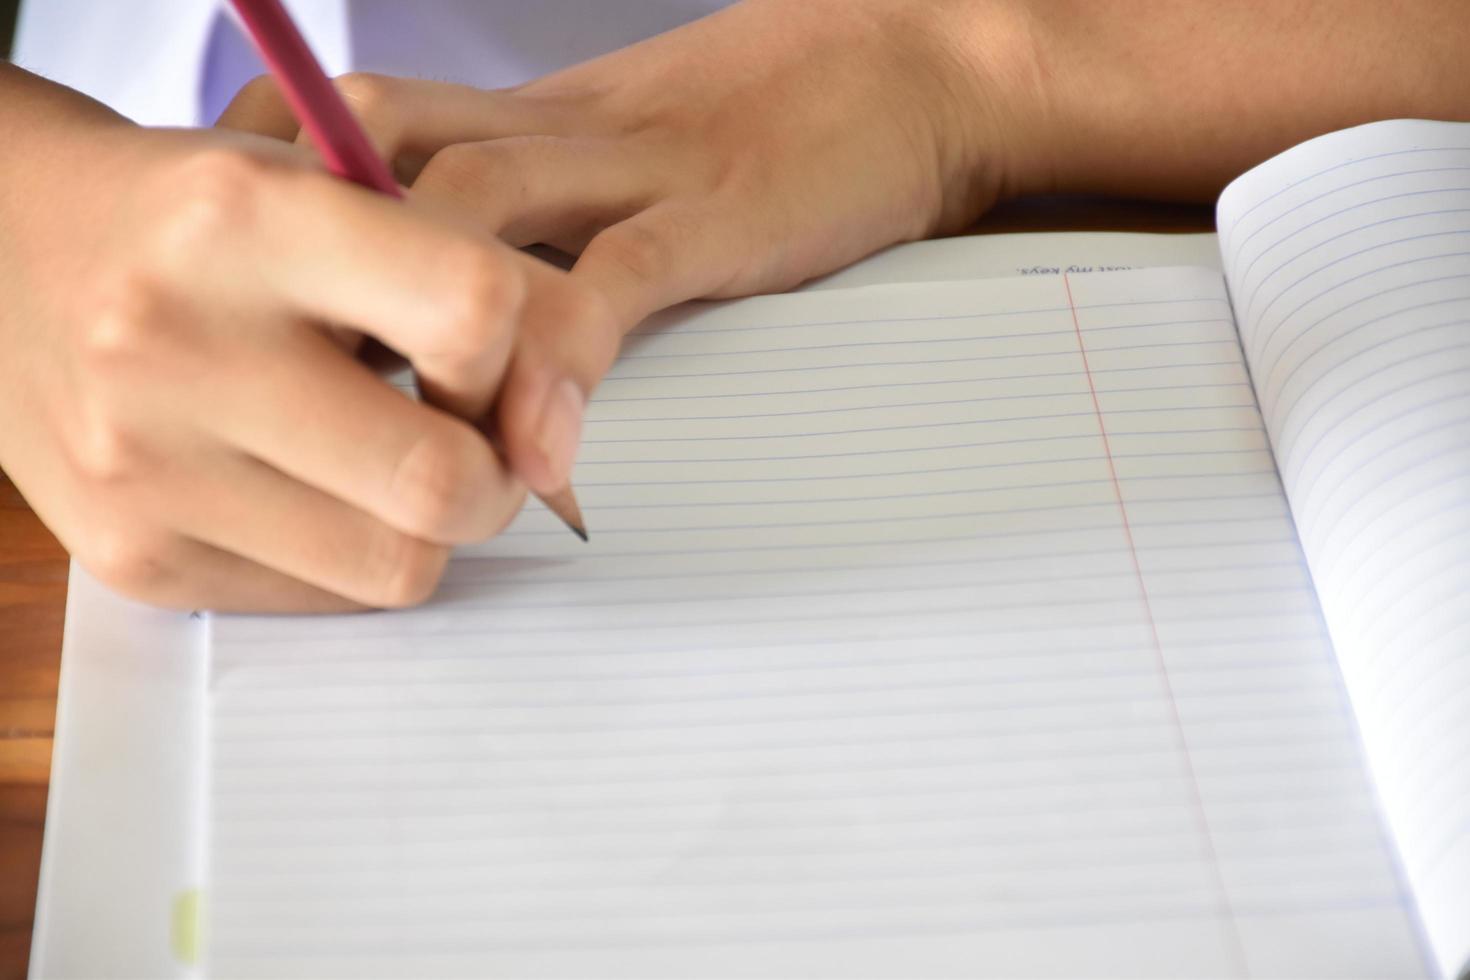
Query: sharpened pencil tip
{"type": "Point", "coordinates": [563, 504]}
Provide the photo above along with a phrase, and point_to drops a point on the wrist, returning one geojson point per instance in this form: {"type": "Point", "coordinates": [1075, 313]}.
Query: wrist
{"type": "Point", "coordinates": [55, 137]}
{"type": "Point", "coordinates": [989, 102]}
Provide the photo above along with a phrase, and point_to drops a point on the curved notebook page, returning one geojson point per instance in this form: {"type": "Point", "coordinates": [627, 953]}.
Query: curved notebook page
{"type": "Point", "coordinates": [1348, 260]}
{"type": "Point", "coordinates": [955, 629]}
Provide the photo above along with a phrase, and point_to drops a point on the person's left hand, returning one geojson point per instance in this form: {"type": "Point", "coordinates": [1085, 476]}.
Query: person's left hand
{"type": "Point", "coordinates": [745, 152]}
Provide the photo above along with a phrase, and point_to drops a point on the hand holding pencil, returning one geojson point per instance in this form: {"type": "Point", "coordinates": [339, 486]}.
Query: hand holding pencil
{"type": "Point", "coordinates": [191, 428]}
{"type": "Point", "coordinates": [345, 149]}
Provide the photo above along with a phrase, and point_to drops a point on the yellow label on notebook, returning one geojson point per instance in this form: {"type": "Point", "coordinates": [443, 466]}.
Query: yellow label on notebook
{"type": "Point", "coordinates": [187, 925]}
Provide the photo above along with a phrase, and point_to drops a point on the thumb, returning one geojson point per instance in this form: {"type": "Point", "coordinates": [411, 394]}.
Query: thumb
{"type": "Point", "coordinates": [567, 340]}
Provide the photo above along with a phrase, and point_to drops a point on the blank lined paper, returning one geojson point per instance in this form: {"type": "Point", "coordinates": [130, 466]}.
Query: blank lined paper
{"type": "Point", "coordinates": [1349, 263]}
{"type": "Point", "coordinates": [955, 629]}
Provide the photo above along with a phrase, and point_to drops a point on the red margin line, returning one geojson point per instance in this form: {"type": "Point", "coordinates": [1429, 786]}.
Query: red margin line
{"type": "Point", "coordinates": [1237, 944]}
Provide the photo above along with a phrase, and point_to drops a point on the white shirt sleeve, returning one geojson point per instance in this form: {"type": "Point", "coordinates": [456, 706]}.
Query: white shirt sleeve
{"type": "Point", "coordinates": [148, 58]}
{"type": "Point", "coordinates": [141, 57]}
{"type": "Point", "coordinates": [145, 58]}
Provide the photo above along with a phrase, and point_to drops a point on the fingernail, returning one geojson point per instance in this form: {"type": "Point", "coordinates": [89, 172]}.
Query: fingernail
{"type": "Point", "coordinates": [561, 427]}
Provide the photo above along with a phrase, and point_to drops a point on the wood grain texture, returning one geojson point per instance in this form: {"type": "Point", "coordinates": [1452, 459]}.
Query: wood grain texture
{"type": "Point", "coordinates": [33, 570]}
{"type": "Point", "coordinates": [32, 603]}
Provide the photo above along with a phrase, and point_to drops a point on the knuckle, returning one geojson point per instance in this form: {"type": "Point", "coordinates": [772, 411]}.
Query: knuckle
{"type": "Point", "coordinates": [638, 250]}
{"type": "Point", "coordinates": [500, 174]}
{"type": "Point", "coordinates": [123, 319]}
{"type": "Point", "coordinates": [260, 90]}
{"type": "Point", "coordinates": [371, 96]}
{"type": "Point", "coordinates": [487, 292]}
{"type": "Point", "coordinates": [406, 570]}
{"type": "Point", "coordinates": [365, 89]}
{"type": "Point", "coordinates": [214, 194]}
{"type": "Point", "coordinates": [106, 452]}
{"type": "Point", "coordinates": [131, 563]}
{"type": "Point", "coordinates": [437, 482]}
{"type": "Point", "coordinates": [464, 170]}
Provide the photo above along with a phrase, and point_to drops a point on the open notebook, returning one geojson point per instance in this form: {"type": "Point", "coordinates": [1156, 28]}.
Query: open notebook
{"type": "Point", "coordinates": [1100, 623]}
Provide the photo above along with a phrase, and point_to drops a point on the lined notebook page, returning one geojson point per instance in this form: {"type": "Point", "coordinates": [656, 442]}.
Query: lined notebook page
{"type": "Point", "coordinates": [1349, 263]}
{"type": "Point", "coordinates": [955, 629]}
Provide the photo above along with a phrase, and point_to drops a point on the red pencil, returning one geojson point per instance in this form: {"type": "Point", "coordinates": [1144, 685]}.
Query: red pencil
{"type": "Point", "coordinates": [313, 98]}
{"type": "Point", "coordinates": [341, 142]}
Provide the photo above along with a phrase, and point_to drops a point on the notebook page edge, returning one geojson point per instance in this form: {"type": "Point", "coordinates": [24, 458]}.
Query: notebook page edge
{"type": "Point", "coordinates": [127, 745]}
{"type": "Point", "coordinates": [1284, 219]}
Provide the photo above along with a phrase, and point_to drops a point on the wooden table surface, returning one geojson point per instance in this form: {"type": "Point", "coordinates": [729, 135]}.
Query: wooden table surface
{"type": "Point", "coordinates": [33, 601]}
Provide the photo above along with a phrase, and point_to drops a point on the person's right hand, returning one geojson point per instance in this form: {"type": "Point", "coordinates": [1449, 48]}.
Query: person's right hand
{"type": "Point", "coordinates": [181, 403]}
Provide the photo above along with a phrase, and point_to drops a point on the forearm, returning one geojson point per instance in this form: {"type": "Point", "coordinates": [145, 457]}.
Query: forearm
{"type": "Point", "coordinates": [1173, 98]}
